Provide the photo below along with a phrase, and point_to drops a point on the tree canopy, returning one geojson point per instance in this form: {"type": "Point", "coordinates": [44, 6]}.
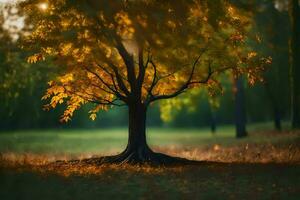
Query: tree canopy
{"type": "Point", "coordinates": [111, 53]}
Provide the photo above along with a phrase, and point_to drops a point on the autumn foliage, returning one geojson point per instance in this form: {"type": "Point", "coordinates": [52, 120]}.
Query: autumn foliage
{"type": "Point", "coordinates": [110, 50]}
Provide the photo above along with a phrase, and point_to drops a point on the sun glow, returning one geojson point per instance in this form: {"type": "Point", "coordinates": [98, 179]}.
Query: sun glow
{"type": "Point", "coordinates": [43, 6]}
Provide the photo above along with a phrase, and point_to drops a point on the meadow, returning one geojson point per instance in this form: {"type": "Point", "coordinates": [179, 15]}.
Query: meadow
{"type": "Point", "coordinates": [196, 144]}
{"type": "Point", "coordinates": [264, 165]}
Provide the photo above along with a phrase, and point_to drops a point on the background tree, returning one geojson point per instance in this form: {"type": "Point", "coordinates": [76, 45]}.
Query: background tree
{"type": "Point", "coordinates": [115, 53]}
{"type": "Point", "coordinates": [19, 82]}
{"type": "Point", "coordinates": [275, 44]}
{"type": "Point", "coordinates": [274, 93]}
{"type": "Point", "coordinates": [213, 106]}
{"type": "Point", "coordinates": [240, 108]}
{"type": "Point", "coordinates": [294, 11]}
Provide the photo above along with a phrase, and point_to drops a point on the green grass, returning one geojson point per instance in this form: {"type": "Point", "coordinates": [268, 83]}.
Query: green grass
{"type": "Point", "coordinates": [114, 140]}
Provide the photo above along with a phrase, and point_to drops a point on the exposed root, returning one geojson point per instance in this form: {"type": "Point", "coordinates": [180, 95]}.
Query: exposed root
{"type": "Point", "coordinates": [155, 159]}
{"type": "Point", "coordinates": [145, 157]}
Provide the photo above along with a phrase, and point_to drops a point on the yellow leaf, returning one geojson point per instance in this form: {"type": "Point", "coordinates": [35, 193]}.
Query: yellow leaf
{"type": "Point", "coordinates": [93, 116]}
{"type": "Point", "coordinates": [35, 58]}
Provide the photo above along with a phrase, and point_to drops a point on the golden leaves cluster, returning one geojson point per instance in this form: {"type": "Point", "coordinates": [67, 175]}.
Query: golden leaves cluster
{"type": "Point", "coordinates": [124, 25]}
{"type": "Point", "coordinates": [35, 58]}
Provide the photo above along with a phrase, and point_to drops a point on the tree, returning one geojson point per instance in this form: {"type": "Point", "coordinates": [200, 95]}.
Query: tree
{"type": "Point", "coordinates": [213, 118]}
{"type": "Point", "coordinates": [268, 16]}
{"type": "Point", "coordinates": [276, 85]}
{"type": "Point", "coordinates": [18, 80]}
{"type": "Point", "coordinates": [117, 53]}
{"type": "Point", "coordinates": [240, 108]}
{"type": "Point", "coordinates": [294, 11]}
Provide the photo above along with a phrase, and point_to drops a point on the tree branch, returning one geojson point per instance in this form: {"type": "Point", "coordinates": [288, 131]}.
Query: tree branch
{"type": "Point", "coordinates": [142, 67]}
{"type": "Point", "coordinates": [129, 63]}
{"type": "Point", "coordinates": [94, 99]}
{"type": "Point", "coordinates": [110, 74]}
{"type": "Point", "coordinates": [155, 78]}
{"type": "Point", "coordinates": [118, 76]}
{"type": "Point", "coordinates": [118, 94]}
{"type": "Point", "coordinates": [182, 88]}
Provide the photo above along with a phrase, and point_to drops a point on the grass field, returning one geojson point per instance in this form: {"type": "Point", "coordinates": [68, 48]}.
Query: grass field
{"type": "Point", "coordinates": [263, 166]}
{"type": "Point", "coordinates": [75, 142]}
{"type": "Point", "coordinates": [198, 144]}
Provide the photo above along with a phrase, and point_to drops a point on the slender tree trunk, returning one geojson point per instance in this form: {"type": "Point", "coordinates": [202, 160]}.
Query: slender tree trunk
{"type": "Point", "coordinates": [294, 11]}
{"type": "Point", "coordinates": [275, 106]}
{"type": "Point", "coordinates": [213, 120]}
{"type": "Point", "coordinates": [240, 109]}
{"type": "Point", "coordinates": [213, 126]}
{"type": "Point", "coordinates": [277, 119]}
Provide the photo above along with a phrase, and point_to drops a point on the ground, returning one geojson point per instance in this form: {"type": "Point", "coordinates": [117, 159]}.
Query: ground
{"type": "Point", "coordinates": [210, 181]}
{"type": "Point", "coordinates": [266, 165]}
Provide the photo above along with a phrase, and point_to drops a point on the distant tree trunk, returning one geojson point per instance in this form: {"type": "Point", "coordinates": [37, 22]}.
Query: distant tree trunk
{"type": "Point", "coordinates": [277, 119]}
{"type": "Point", "coordinates": [294, 11]}
{"type": "Point", "coordinates": [213, 120]}
{"type": "Point", "coordinates": [213, 125]}
{"type": "Point", "coordinates": [275, 106]}
{"type": "Point", "coordinates": [240, 109]}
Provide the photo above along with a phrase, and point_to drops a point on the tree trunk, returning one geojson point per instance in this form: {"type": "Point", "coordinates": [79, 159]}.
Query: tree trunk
{"type": "Point", "coordinates": [213, 126]}
{"type": "Point", "coordinates": [275, 106]}
{"type": "Point", "coordinates": [240, 109]}
{"type": "Point", "coordinates": [294, 11]}
{"type": "Point", "coordinates": [213, 120]}
{"type": "Point", "coordinates": [137, 150]}
{"type": "Point", "coordinates": [277, 119]}
{"type": "Point", "coordinates": [137, 142]}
